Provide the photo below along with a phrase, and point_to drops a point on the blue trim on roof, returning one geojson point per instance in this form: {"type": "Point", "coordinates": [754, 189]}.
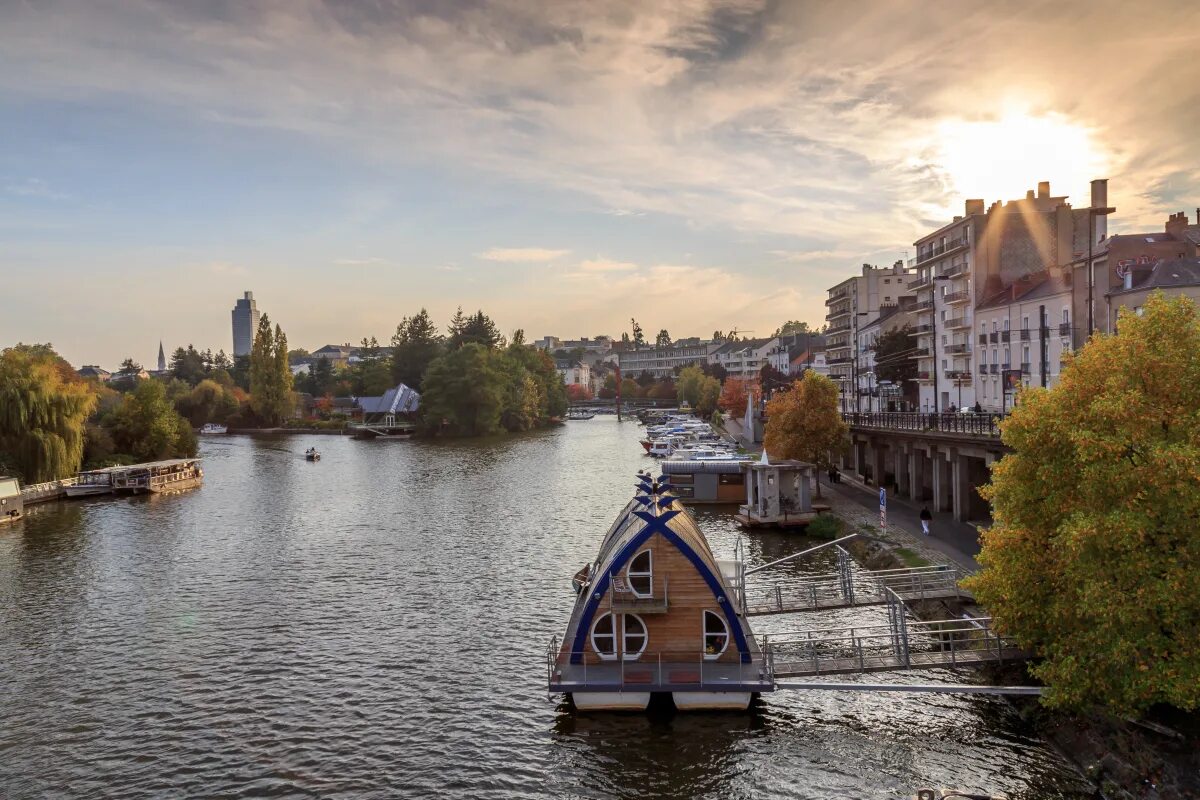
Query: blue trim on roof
{"type": "Point", "coordinates": [657, 524]}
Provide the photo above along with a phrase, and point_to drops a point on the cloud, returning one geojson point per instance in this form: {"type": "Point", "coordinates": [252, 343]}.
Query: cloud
{"type": "Point", "coordinates": [604, 265]}
{"type": "Point", "coordinates": [34, 188]}
{"type": "Point", "coordinates": [359, 262]}
{"type": "Point", "coordinates": [522, 254]}
{"type": "Point", "coordinates": [806, 256]}
{"type": "Point", "coordinates": [225, 268]}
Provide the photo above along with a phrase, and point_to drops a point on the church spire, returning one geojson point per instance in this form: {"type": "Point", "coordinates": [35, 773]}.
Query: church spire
{"type": "Point", "coordinates": [162, 358]}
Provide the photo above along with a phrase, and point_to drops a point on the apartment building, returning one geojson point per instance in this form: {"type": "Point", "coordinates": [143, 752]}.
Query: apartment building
{"type": "Point", "coordinates": [852, 305]}
{"type": "Point", "coordinates": [661, 362]}
{"type": "Point", "coordinates": [745, 358]}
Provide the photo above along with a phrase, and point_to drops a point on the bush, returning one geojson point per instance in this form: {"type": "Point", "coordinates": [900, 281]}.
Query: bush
{"type": "Point", "coordinates": [825, 526]}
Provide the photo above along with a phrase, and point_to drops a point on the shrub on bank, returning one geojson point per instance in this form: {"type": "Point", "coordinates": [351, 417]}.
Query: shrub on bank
{"type": "Point", "coordinates": [826, 527]}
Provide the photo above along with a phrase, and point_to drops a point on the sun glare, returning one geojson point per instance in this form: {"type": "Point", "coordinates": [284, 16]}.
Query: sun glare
{"type": "Point", "coordinates": [1002, 159]}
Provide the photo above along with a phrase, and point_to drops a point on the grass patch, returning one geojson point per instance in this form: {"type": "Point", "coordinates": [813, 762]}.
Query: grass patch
{"type": "Point", "coordinates": [910, 558]}
{"type": "Point", "coordinates": [825, 526]}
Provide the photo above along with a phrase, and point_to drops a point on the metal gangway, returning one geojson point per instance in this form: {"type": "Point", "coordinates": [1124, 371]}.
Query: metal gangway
{"type": "Point", "coordinates": [848, 587]}
{"type": "Point", "coordinates": [900, 644]}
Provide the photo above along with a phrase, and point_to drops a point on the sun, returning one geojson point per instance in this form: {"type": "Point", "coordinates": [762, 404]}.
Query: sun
{"type": "Point", "coordinates": [1001, 159]}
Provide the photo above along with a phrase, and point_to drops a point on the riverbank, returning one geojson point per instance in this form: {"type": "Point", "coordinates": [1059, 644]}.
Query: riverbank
{"type": "Point", "coordinates": [276, 431]}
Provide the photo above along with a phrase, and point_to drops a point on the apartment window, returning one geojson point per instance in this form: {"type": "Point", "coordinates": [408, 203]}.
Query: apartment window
{"type": "Point", "coordinates": [994, 326]}
{"type": "Point", "coordinates": [1007, 362]}
{"type": "Point", "coordinates": [1025, 354]}
{"type": "Point", "coordinates": [943, 363]}
{"type": "Point", "coordinates": [995, 360]}
{"type": "Point", "coordinates": [1006, 323]}
{"type": "Point", "coordinates": [1066, 316]}
{"type": "Point", "coordinates": [943, 315]}
{"type": "Point", "coordinates": [943, 338]}
{"type": "Point", "coordinates": [1025, 325]}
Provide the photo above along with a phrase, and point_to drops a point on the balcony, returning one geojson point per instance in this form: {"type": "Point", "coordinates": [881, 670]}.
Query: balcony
{"type": "Point", "coordinates": [835, 296]}
{"type": "Point", "coordinates": [954, 271]}
{"type": "Point", "coordinates": [983, 338]}
{"type": "Point", "coordinates": [841, 326]}
{"type": "Point", "coordinates": [993, 337]}
{"type": "Point", "coordinates": [989, 368]}
{"type": "Point", "coordinates": [924, 305]}
{"type": "Point", "coordinates": [1025, 368]}
{"type": "Point", "coordinates": [1006, 336]}
{"type": "Point", "coordinates": [921, 352]}
{"type": "Point", "coordinates": [834, 313]}
{"type": "Point", "coordinates": [924, 376]}
{"type": "Point", "coordinates": [1064, 329]}
{"type": "Point", "coordinates": [923, 282]}
{"type": "Point", "coordinates": [1025, 334]}
{"type": "Point", "coordinates": [940, 250]}
{"type": "Point", "coordinates": [835, 361]}
{"type": "Point", "coordinates": [956, 297]}
{"type": "Point", "coordinates": [958, 374]}
{"type": "Point", "coordinates": [957, 322]}
{"type": "Point", "coordinates": [955, 349]}
{"type": "Point", "coordinates": [920, 329]}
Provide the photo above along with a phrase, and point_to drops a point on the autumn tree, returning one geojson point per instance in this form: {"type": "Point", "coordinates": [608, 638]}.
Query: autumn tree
{"type": "Point", "coordinates": [578, 393]}
{"type": "Point", "coordinates": [734, 393]}
{"type": "Point", "coordinates": [44, 406]}
{"type": "Point", "coordinates": [1093, 562]}
{"type": "Point", "coordinates": [805, 424]}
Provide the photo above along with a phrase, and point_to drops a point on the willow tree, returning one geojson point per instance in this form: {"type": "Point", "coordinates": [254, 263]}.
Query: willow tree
{"type": "Point", "coordinates": [43, 409]}
{"type": "Point", "coordinates": [804, 423]}
{"type": "Point", "coordinates": [270, 377]}
{"type": "Point", "coordinates": [1093, 562]}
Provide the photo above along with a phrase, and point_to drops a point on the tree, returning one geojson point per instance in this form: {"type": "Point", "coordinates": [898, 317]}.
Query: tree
{"type": "Point", "coordinates": [1092, 562]}
{"type": "Point", "coordinates": [771, 379]}
{"type": "Point", "coordinates": [645, 379]}
{"type": "Point", "coordinates": [709, 394]}
{"type": "Point", "coordinates": [464, 393]}
{"type": "Point", "coordinates": [793, 328]}
{"type": "Point", "coordinates": [718, 336]}
{"type": "Point", "coordinates": [477, 328]}
{"type": "Point", "coordinates": [609, 390]}
{"type": "Point", "coordinates": [805, 424]}
{"type": "Point", "coordinates": [639, 338]}
{"type": "Point", "coordinates": [43, 409]}
{"type": "Point", "coordinates": [188, 365]}
{"type": "Point", "coordinates": [734, 393]}
{"type": "Point", "coordinates": [663, 339]}
{"type": "Point", "coordinates": [893, 356]}
{"type": "Point", "coordinates": [578, 393]}
{"type": "Point", "coordinates": [209, 401]}
{"type": "Point", "coordinates": [147, 427]}
{"type": "Point", "coordinates": [630, 389]}
{"type": "Point", "coordinates": [688, 385]}
{"type": "Point", "coordinates": [414, 346]}
{"type": "Point", "coordinates": [270, 377]}
{"type": "Point", "coordinates": [320, 377]}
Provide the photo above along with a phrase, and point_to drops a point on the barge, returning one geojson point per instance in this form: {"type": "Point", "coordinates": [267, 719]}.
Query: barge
{"type": "Point", "coordinates": [658, 614]}
{"type": "Point", "coordinates": [158, 477]}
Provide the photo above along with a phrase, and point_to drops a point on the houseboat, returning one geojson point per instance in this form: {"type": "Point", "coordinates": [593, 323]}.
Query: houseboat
{"type": "Point", "coordinates": [90, 482]}
{"type": "Point", "coordinates": [657, 614]}
{"type": "Point", "coordinates": [158, 477]}
{"type": "Point", "coordinates": [706, 481]}
{"type": "Point", "coordinates": [213, 429]}
{"type": "Point", "coordinates": [11, 503]}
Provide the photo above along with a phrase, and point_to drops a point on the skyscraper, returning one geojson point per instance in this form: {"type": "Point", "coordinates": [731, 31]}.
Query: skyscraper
{"type": "Point", "coordinates": [162, 358]}
{"type": "Point", "coordinates": [245, 324]}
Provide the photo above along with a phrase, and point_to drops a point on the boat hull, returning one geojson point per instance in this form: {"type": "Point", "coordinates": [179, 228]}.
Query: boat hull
{"type": "Point", "coordinates": [611, 701]}
{"type": "Point", "coordinates": [86, 491]}
{"type": "Point", "coordinates": [711, 701]}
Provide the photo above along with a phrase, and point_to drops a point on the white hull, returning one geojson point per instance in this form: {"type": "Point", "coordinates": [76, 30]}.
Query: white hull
{"type": "Point", "coordinates": [213, 430]}
{"type": "Point", "coordinates": [86, 491]}
{"type": "Point", "coordinates": [611, 701]}
{"type": "Point", "coordinates": [711, 701]}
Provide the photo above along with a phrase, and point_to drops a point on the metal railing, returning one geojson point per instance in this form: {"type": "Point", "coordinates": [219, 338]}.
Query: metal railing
{"type": "Point", "coordinates": [946, 422]}
{"type": "Point", "coordinates": [956, 297]}
{"type": "Point", "coordinates": [957, 322]}
{"type": "Point", "coordinates": [46, 491]}
{"type": "Point", "coordinates": [847, 587]}
{"type": "Point", "coordinates": [655, 602]}
{"type": "Point", "coordinates": [665, 670]}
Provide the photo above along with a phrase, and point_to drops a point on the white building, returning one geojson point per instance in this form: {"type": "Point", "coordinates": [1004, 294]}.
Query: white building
{"type": "Point", "coordinates": [744, 359]}
{"type": "Point", "coordinates": [854, 303]}
{"type": "Point", "coordinates": [661, 362]}
{"type": "Point", "coordinates": [575, 373]}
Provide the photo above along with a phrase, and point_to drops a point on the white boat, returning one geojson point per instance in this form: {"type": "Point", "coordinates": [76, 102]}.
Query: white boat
{"type": "Point", "coordinates": [661, 448]}
{"type": "Point", "coordinates": [90, 482]}
{"type": "Point", "coordinates": [212, 428]}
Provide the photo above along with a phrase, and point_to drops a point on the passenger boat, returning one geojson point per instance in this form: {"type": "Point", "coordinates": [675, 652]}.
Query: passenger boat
{"type": "Point", "coordinates": [90, 482]}
{"type": "Point", "coordinates": [657, 613]}
{"type": "Point", "coordinates": [311, 454]}
{"type": "Point", "coordinates": [158, 477]}
{"type": "Point", "coordinates": [580, 413]}
{"type": "Point", "coordinates": [212, 429]}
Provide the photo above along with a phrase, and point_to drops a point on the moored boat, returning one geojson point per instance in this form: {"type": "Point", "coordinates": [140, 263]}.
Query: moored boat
{"type": "Point", "coordinates": [213, 429]}
{"type": "Point", "coordinates": [657, 613]}
{"type": "Point", "coordinates": [158, 477]}
{"type": "Point", "coordinates": [91, 482]}
{"type": "Point", "coordinates": [311, 454]}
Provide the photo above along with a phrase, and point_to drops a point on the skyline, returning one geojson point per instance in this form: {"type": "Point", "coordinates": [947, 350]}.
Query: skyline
{"type": "Point", "coordinates": [563, 167]}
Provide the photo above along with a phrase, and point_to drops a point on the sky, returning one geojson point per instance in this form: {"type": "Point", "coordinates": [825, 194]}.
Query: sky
{"type": "Point", "coordinates": [565, 166]}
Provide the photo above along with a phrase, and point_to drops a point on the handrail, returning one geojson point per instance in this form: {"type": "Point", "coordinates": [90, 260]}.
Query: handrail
{"type": "Point", "coordinates": [802, 553]}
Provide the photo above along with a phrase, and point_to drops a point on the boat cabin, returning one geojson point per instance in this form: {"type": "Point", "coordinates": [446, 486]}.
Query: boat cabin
{"type": "Point", "coordinates": [716, 481]}
{"type": "Point", "coordinates": [172, 475]}
{"type": "Point", "coordinates": [657, 612]}
{"type": "Point", "coordinates": [778, 494]}
{"type": "Point", "coordinates": [11, 504]}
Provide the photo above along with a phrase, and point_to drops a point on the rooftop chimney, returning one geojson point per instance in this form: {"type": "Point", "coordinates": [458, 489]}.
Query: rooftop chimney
{"type": "Point", "coordinates": [1100, 200]}
{"type": "Point", "coordinates": [1043, 188]}
{"type": "Point", "coordinates": [974, 207]}
{"type": "Point", "coordinates": [1029, 195]}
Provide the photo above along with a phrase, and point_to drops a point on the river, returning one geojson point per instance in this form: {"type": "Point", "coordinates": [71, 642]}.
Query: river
{"type": "Point", "coordinates": [374, 625]}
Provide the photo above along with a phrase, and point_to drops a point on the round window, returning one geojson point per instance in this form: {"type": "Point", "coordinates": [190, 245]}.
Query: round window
{"type": "Point", "coordinates": [716, 635]}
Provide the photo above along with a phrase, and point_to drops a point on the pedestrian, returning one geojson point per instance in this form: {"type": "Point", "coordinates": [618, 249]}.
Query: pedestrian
{"type": "Point", "coordinates": [978, 408]}
{"type": "Point", "coordinates": [926, 518]}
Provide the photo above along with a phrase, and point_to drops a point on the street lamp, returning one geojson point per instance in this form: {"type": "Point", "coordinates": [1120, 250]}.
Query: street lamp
{"type": "Point", "coordinates": [1092, 214]}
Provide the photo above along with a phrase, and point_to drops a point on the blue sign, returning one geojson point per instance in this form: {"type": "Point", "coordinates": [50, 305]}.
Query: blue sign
{"type": "Point", "coordinates": [882, 498]}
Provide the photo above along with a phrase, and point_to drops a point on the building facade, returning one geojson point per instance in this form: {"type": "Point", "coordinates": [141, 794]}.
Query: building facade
{"type": "Point", "coordinates": [852, 305]}
{"type": "Point", "coordinates": [745, 358]}
{"type": "Point", "coordinates": [575, 373]}
{"type": "Point", "coordinates": [245, 324]}
{"type": "Point", "coordinates": [662, 361]}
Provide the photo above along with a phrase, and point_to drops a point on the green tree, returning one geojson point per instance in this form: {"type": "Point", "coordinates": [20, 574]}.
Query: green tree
{"type": "Point", "coordinates": [792, 328]}
{"type": "Point", "coordinates": [805, 424]}
{"type": "Point", "coordinates": [188, 365]}
{"type": "Point", "coordinates": [209, 401]}
{"type": "Point", "coordinates": [639, 338]}
{"type": "Point", "coordinates": [126, 376]}
{"type": "Point", "coordinates": [464, 393]}
{"type": "Point", "coordinates": [1093, 562]}
{"type": "Point", "coordinates": [270, 377]}
{"type": "Point", "coordinates": [43, 409]}
{"type": "Point", "coordinates": [708, 396]}
{"type": "Point", "coordinates": [240, 372]}
{"type": "Point", "coordinates": [320, 377]}
{"type": "Point", "coordinates": [415, 345]}
{"type": "Point", "coordinates": [688, 385]}
{"type": "Point", "coordinates": [663, 339]}
{"type": "Point", "coordinates": [893, 356]}
{"type": "Point", "coordinates": [146, 425]}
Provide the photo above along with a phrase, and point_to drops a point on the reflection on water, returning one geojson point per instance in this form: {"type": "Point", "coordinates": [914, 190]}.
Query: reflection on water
{"type": "Point", "coordinates": [374, 624]}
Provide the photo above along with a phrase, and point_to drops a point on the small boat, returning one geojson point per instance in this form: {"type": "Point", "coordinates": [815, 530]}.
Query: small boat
{"type": "Point", "coordinates": [213, 429]}
{"type": "Point", "coordinates": [628, 640]}
{"type": "Point", "coordinates": [91, 482]}
{"type": "Point", "coordinates": [158, 477]}
{"type": "Point", "coordinates": [580, 414]}
{"type": "Point", "coordinates": [311, 454]}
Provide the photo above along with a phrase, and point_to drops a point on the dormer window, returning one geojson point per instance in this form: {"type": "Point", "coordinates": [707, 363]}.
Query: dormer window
{"type": "Point", "coordinates": [640, 573]}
